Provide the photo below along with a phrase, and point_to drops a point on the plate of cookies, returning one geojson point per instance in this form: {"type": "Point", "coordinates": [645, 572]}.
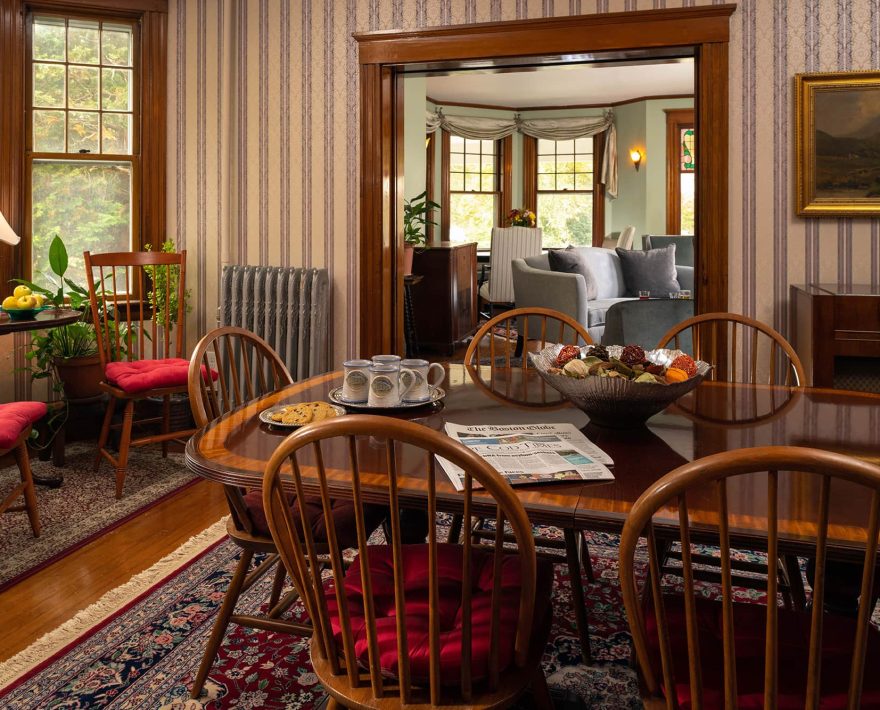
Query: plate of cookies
{"type": "Point", "coordinates": [296, 415]}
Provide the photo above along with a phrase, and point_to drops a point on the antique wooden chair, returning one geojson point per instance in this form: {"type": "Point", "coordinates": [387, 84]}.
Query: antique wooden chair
{"type": "Point", "coordinates": [16, 421]}
{"type": "Point", "coordinates": [718, 336]}
{"type": "Point", "coordinates": [248, 368]}
{"type": "Point", "coordinates": [706, 654]}
{"type": "Point", "coordinates": [137, 301]}
{"type": "Point", "coordinates": [714, 335]}
{"type": "Point", "coordinates": [425, 624]}
{"type": "Point", "coordinates": [513, 383]}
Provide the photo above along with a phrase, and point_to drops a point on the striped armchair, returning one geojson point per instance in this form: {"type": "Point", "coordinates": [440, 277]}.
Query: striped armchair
{"type": "Point", "coordinates": [508, 243]}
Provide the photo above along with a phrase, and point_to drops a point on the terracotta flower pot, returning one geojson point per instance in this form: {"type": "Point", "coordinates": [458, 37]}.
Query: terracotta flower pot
{"type": "Point", "coordinates": [407, 259]}
{"type": "Point", "coordinates": [80, 376]}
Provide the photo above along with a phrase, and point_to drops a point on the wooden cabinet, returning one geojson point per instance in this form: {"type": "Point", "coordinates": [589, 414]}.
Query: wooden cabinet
{"type": "Point", "coordinates": [445, 302]}
{"type": "Point", "coordinates": [836, 333]}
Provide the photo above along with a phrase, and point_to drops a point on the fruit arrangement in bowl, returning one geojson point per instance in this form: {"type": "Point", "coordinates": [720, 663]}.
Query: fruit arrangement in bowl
{"type": "Point", "coordinates": [619, 386]}
{"type": "Point", "coordinates": [23, 304]}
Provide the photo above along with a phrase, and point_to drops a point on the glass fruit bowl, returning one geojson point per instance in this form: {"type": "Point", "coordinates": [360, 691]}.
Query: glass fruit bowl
{"type": "Point", "coordinates": [616, 402]}
{"type": "Point", "coordinates": [19, 314]}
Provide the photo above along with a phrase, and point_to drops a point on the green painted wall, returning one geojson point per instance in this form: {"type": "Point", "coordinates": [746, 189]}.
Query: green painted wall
{"type": "Point", "coordinates": [414, 154]}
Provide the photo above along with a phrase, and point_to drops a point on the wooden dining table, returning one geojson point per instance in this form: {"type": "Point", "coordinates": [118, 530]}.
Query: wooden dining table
{"type": "Point", "coordinates": [715, 417]}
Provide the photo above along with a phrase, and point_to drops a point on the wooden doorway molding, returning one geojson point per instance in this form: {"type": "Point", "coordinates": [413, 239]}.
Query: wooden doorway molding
{"type": "Point", "coordinates": [384, 55]}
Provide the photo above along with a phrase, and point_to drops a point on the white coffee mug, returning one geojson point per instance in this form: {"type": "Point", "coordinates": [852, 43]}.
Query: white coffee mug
{"type": "Point", "coordinates": [415, 379]}
{"type": "Point", "coordinates": [384, 386]}
{"type": "Point", "coordinates": [393, 360]}
{"type": "Point", "coordinates": [356, 381]}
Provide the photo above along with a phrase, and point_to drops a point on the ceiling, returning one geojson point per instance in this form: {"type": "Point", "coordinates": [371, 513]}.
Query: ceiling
{"type": "Point", "coordinates": [567, 85]}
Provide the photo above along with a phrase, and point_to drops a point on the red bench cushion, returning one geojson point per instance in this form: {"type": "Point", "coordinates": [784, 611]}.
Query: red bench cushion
{"type": "Point", "coordinates": [749, 637]}
{"type": "Point", "coordinates": [143, 375]}
{"type": "Point", "coordinates": [15, 418]}
{"type": "Point", "coordinates": [416, 586]}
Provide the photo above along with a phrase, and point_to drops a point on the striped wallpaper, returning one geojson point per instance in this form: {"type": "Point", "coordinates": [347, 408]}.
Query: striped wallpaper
{"type": "Point", "coordinates": [263, 137]}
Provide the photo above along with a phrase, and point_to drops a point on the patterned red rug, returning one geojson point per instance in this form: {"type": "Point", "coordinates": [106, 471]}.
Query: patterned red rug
{"type": "Point", "coordinates": [146, 653]}
{"type": "Point", "coordinates": [84, 507]}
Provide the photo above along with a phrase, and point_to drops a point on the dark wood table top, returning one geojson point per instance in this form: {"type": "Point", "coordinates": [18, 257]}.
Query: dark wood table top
{"type": "Point", "coordinates": [45, 319]}
{"type": "Point", "coordinates": [715, 417]}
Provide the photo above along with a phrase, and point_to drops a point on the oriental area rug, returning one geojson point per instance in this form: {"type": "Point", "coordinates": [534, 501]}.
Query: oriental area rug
{"type": "Point", "coordinates": [145, 653]}
{"type": "Point", "coordinates": [84, 507]}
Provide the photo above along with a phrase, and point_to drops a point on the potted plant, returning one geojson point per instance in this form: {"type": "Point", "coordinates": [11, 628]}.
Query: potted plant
{"type": "Point", "coordinates": [415, 218]}
{"type": "Point", "coordinates": [164, 294]}
{"type": "Point", "coordinates": [68, 354]}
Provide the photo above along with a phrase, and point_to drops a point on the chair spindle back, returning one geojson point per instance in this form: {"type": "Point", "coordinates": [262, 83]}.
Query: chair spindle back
{"type": "Point", "coordinates": [137, 310]}
{"type": "Point", "coordinates": [719, 337]}
{"type": "Point", "coordinates": [247, 368]}
{"type": "Point", "coordinates": [548, 327]}
{"type": "Point", "coordinates": [671, 492]}
{"type": "Point", "coordinates": [299, 553]}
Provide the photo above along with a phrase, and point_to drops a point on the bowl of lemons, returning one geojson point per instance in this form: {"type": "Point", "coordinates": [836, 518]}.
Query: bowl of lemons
{"type": "Point", "coordinates": [23, 304]}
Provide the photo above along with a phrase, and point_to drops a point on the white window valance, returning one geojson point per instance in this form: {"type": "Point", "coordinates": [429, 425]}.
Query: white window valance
{"type": "Point", "coordinates": [557, 129]}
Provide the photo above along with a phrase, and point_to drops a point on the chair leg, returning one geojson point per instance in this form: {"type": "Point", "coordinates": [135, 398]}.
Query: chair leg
{"type": "Point", "coordinates": [105, 431]}
{"type": "Point", "coordinates": [124, 442]}
{"type": "Point", "coordinates": [30, 497]}
{"type": "Point", "coordinates": [166, 422]}
{"type": "Point", "coordinates": [222, 622]}
{"type": "Point", "coordinates": [795, 581]}
{"type": "Point", "coordinates": [455, 529]}
{"type": "Point", "coordinates": [540, 691]}
{"type": "Point", "coordinates": [577, 592]}
{"type": "Point", "coordinates": [277, 584]}
{"type": "Point", "coordinates": [586, 562]}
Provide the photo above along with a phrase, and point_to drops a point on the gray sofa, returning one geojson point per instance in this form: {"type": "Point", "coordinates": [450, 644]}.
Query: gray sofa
{"type": "Point", "coordinates": [534, 284]}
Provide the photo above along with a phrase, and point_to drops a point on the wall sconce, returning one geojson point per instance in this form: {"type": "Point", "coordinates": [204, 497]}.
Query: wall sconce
{"type": "Point", "coordinates": [636, 156]}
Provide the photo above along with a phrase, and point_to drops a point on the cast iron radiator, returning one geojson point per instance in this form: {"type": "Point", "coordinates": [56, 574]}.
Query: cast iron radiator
{"type": "Point", "coordinates": [287, 307]}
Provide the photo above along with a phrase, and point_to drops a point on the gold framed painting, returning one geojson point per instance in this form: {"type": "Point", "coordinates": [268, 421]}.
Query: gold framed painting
{"type": "Point", "coordinates": [837, 143]}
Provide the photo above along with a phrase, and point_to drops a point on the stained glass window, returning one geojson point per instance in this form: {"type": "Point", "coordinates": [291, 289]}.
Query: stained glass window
{"type": "Point", "coordinates": [688, 146]}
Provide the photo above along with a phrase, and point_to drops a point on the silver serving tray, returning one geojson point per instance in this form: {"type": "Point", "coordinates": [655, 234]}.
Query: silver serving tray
{"type": "Point", "coordinates": [267, 413]}
{"type": "Point", "coordinates": [335, 396]}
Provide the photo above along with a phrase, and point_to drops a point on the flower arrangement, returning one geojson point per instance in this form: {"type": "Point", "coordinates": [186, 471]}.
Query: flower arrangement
{"type": "Point", "coordinates": [523, 217]}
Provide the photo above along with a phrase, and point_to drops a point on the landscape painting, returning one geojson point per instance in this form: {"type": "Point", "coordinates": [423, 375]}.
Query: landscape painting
{"type": "Point", "coordinates": [839, 143]}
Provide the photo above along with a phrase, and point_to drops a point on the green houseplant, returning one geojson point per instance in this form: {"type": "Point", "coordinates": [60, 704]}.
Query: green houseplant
{"type": "Point", "coordinates": [69, 354]}
{"type": "Point", "coordinates": [415, 219]}
{"type": "Point", "coordinates": [166, 282]}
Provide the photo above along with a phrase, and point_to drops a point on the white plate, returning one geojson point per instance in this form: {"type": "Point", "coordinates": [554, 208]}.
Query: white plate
{"type": "Point", "coordinates": [335, 396]}
{"type": "Point", "coordinates": [267, 413]}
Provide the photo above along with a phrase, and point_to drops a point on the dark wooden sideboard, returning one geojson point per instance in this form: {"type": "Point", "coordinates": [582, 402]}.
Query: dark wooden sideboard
{"type": "Point", "coordinates": [445, 303]}
{"type": "Point", "coordinates": [836, 333]}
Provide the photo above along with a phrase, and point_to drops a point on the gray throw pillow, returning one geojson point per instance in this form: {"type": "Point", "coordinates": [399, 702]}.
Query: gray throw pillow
{"type": "Point", "coordinates": [571, 261]}
{"type": "Point", "coordinates": [653, 270]}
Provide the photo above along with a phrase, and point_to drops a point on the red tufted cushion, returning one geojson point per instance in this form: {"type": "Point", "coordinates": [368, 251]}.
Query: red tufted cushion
{"type": "Point", "coordinates": [143, 375]}
{"type": "Point", "coordinates": [794, 648]}
{"type": "Point", "coordinates": [15, 417]}
{"type": "Point", "coordinates": [343, 517]}
{"type": "Point", "coordinates": [415, 581]}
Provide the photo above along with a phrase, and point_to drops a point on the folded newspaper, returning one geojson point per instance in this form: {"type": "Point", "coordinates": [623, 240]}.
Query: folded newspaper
{"type": "Point", "coordinates": [530, 453]}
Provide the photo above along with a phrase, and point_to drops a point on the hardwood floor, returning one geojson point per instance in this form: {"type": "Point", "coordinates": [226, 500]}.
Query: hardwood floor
{"type": "Point", "coordinates": [53, 595]}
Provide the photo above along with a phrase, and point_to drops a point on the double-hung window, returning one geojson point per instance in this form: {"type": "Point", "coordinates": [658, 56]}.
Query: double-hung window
{"type": "Point", "coordinates": [474, 193]}
{"type": "Point", "coordinates": [82, 151]}
{"type": "Point", "coordinates": [565, 190]}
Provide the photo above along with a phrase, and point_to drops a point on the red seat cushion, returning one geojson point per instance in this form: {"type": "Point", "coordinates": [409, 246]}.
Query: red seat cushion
{"type": "Point", "coordinates": [143, 375]}
{"type": "Point", "coordinates": [15, 418]}
{"type": "Point", "coordinates": [416, 593]}
{"type": "Point", "coordinates": [749, 637]}
{"type": "Point", "coordinates": [343, 517]}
